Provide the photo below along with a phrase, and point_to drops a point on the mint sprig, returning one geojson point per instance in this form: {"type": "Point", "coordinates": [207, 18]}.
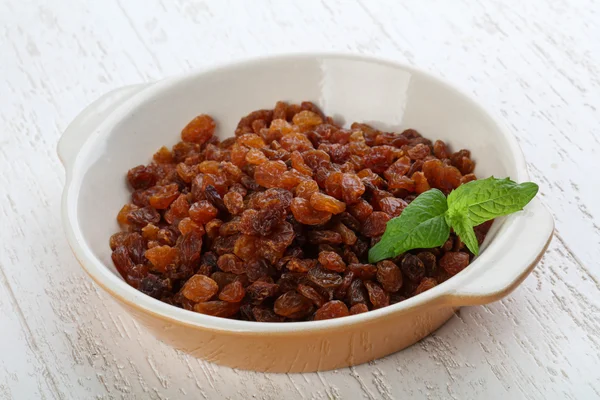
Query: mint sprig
{"type": "Point", "coordinates": [426, 222]}
{"type": "Point", "coordinates": [421, 224]}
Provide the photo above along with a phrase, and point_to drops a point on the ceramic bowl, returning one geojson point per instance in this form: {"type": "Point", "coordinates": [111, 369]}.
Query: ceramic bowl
{"type": "Point", "coordinates": [125, 127]}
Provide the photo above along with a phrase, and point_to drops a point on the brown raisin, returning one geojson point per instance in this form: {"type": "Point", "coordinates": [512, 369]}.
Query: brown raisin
{"type": "Point", "coordinates": [332, 261]}
{"type": "Point", "coordinates": [426, 284]}
{"type": "Point", "coordinates": [454, 262]}
{"type": "Point", "coordinates": [292, 305]}
{"type": "Point", "coordinates": [269, 174]}
{"type": "Point", "coordinates": [412, 267]}
{"type": "Point", "coordinates": [141, 177]}
{"type": "Point", "coordinates": [375, 224]}
{"type": "Point", "coordinates": [379, 298]}
{"type": "Point", "coordinates": [202, 212]}
{"type": "Point", "coordinates": [161, 256]}
{"type": "Point", "coordinates": [389, 276]}
{"type": "Point", "coordinates": [217, 308]}
{"type": "Point", "coordinates": [199, 130]}
{"type": "Point", "coordinates": [199, 288]}
{"type": "Point", "coordinates": [332, 309]}
{"type": "Point", "coordinates": [233, 292]}
{"type": "Point", "coordinates": [358, 309]}
{"type": "Point", "coordinates": [322, 202]}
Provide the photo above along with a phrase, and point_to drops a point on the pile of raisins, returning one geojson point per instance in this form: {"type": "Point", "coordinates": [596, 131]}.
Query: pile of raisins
{"type": "Point", "coordinates": [275, 224]}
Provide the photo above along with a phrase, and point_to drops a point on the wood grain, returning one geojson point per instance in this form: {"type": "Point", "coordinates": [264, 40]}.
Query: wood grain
{"type": "Point", "coordinates": [536, 63]}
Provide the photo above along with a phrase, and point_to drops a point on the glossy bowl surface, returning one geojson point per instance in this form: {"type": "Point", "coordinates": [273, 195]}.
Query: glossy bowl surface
{"type": "Point", "coordinates": [125, 127]}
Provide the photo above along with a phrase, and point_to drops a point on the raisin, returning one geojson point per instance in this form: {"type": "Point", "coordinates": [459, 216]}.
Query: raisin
{"type": "Point", "coordinates": [251, 140]}
{"type": "Point", "coordinates": [392, 206]}
{"type": "Point", "coordinates": [421, 183]}
{"type": "Point", "coordinates": [292, 305]}
{"type": "Point", "coordinates": [217, 308]}
{"type": "Point", "coordinates": [360, 210]}
{"type": "Point", "coordinates": [190, 246]}
{"type": "Point", "coordinates": [212, 228]}
{"type": "Point", "coordinates": [352, 188]}
{"type": "Point", "coordinates": [269, 174]}
{"type": "Point", "coordinates": [379, 158]}
{"type": "Point", "coordinates": [299, 265]}
{"type": "Point", "coordinates": [161, 256]}
{"type": "Point", "coordinates": [306, 214]}
{"type": "Point", "coordinates": [418, 152]}
{"type": "Point", "coordinates": [357, 293]}
{"type": "Point", "coordinates": [202, 212]}
{"type": "Point", "coordinates": [324, 278]}
{"type": "Point", "coordinates": [122, 215]}
{"type": "Point", "coordinates": [259, 291]}
{"type": "Point", "coordinates": [306, 189]}
{"type": "Point", "coordinates": [214, 197]}
{"type": "Point", "coordinates": [143, 216]}
{"type": "Point", "coordinates": [178, 210]}
{"type": "Point", "coordinates": [141, 177]}
{"type": "Point", "coordinates": [230, 263]}
{"type": "Point", "coordinates": [389, 276]}
{"type": "Point", "coordinates": [358, 309]}
{"type": "Point", "coordinates": [199, 130]}
{"type": "Point", "coordinates": [375, 224]}
{"type": "Point", "coordinates": [257, 269]}
{"type": "Point", "coordinates": [426, 284]}
{"type": "Point", "coordinates": [299, 165]}
{"type": "Point", "coordinates": [324, 237]}
{"type": "Point", "coordinates": [378, 297]}
{"type": "Point", "coordinates": [199, 288]}
{"type": "Point", "coordinates": [332, 309]}
{"type": "Point", "coordinates": [279, 112]}
{"type": "Point", "coordinates": [154, 286]}
{"type": "Point", "coordinates": [323, 202]}
{"type": "Point", "coordinates": [187, 172]}
{"type": "Point", "coordinates": [332, 261]}
{"type": "Point", "coordinates": [363, 271]}
{"type": "Point", "coordinates": [307, 119]}
{"type": "Point", "coordinates": [429, 261]}
{"type": "Point", "coordinates": [163, 156]}
{"type": "Point", "coordinates": [263, 314]}
{"type": "Point", "coordinates": [342, 290]}
{"type": "Point", "coordinates": [348, 235]}
{"type": "Point", "coordinates": [166, 236]}
{"type": "Point", "coordinates": [440, 176]}
{"type": "Point", "coordinates": [454, 262]}
{"type": "Point", "coordinates": [233, 292]}
{"type": "Point", "coordinates": [412, 267]}
{"type": "Point", "coordinates": [467, 178]}
{"type": "Point", "coordinates": [440, 150]}
{"type": "Point", "coordinates": [256, 157]}
{"type": "Point", "coordinates": [311, 293]}
{"type": "Point", "coordinates": [164, 197]}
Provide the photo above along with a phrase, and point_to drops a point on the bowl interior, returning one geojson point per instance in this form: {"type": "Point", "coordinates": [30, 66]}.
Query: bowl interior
{"type": "Point", "coordinates": [386, 95]}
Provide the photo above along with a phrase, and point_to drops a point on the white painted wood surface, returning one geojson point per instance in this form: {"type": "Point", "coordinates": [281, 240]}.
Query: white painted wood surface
{"type": "Point", "coordinates": [537, 63]}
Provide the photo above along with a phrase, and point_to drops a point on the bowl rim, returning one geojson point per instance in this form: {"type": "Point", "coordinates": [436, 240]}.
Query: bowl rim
{"type": "Point", "coordinates": [119, 289]}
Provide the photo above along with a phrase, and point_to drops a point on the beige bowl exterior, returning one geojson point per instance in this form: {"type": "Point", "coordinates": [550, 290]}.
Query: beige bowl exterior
{"type": "Point", "coordinates": [321, 350]}
{"type": "Point", "coordinates": [512, 249]}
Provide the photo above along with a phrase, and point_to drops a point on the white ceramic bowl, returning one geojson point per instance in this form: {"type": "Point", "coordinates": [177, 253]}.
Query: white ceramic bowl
{"type": "Point", "coordinates": [125, 127]}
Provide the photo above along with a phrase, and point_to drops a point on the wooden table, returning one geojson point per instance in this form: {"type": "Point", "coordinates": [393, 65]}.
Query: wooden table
{"type": "Point", "coordinates": [536, 63]}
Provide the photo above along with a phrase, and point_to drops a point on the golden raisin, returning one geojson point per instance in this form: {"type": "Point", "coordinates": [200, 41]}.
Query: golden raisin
{"type": "Point", "coordinates": [199, 130]}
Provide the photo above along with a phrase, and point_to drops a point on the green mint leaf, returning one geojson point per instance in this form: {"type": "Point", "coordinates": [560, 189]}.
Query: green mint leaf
{"type": "Point", "coordinates": [486, 199]}
{"type": "Point", "coordinates": [464, 229]}
{"type": "Point", "coordinates": [422, 224]}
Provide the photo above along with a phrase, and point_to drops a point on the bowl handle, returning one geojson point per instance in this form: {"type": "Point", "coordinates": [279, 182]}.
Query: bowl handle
{"type": "Point", "coordinates": [89, 119]}
{"type": "Point", "coordinates": [507, 266]}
